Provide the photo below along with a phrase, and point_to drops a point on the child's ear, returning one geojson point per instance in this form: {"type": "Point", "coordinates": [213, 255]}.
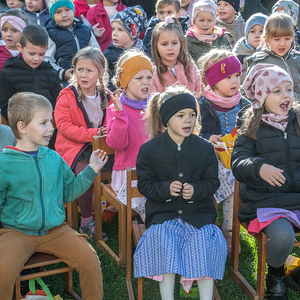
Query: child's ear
{"type": "Point", "coordinates": [19, 47]}
{"type": "Point", "coordinates": [21, 127]}
{"type": "Point", "coordinates": [178, 15]}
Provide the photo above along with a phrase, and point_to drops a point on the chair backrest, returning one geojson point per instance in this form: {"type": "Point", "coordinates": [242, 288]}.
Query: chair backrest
{"type": "Point", "coordinates": [132, 192]}
{"type": "Point", "coordinates": [53, 120]}
{"type": "Point", "coordinates": [99, 142]}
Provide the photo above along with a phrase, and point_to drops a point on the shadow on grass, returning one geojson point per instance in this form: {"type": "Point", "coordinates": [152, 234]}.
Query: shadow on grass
{"type": "Point", "coordinates": [114, 278]}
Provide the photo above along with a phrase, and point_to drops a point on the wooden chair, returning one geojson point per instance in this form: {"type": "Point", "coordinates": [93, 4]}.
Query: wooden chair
{"type": "Point", "coordinates": [138, 230]}
{"type": "Point", "coordinates": [106, 191]}
{"type": "Point", "coordinates": [41, 261]}
{"type": "Point", "coordinates": [4, 121]}
{"type": "Point", "coordinates": [262, 239]}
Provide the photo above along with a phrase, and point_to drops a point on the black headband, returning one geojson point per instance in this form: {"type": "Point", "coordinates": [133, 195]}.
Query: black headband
{"type": "Point", "coordinates": [175, 104]}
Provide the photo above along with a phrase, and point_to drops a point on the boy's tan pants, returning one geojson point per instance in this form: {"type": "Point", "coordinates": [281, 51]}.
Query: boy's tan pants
{"type": "Point", "coordinates": [67, 244]}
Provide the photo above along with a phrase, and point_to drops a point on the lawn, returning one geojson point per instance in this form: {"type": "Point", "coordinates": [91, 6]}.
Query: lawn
{"type": "Point", "coordinates": [115, 284]}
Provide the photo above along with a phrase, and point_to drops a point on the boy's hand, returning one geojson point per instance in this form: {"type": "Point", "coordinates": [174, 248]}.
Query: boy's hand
{"type": "Point", "coordinates": [102, 131]}
{"type": "Point", "coordinates": [116, 101]}
{"type": "Point", "coordinates": [215, 138]}
{"type": "Point", "coordinates": [98, 159]}
{"type": "Point", "coordinates": [187, 191]}
{"type": "Point", "coordinates": [272, 175]}
{"type": "Point", "coordinates": [98, 31]}
{"type": "Point", "coordinates": [68, 74]}
{"type": "Point", "coordinates": [175, 188]}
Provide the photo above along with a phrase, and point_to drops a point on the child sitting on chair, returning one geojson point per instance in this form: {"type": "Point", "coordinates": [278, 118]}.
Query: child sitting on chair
{"type": "Point", "coordinates": [34, 182]}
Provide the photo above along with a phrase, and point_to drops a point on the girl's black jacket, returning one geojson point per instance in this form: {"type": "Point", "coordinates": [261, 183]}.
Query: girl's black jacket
{"type": "Point", "coordinates": [161, 161]}
{"type": "Point", "coordinates": [274, 147]}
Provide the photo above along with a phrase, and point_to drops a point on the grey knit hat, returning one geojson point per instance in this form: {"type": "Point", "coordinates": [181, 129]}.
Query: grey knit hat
{"type": "Point", "coordinates": [255, 19]}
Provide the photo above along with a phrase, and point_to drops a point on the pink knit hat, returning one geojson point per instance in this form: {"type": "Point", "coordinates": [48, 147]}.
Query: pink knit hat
{"type": "Point", "coordinates": [261, 80]}
{"type": "Point", "coordinates": [204, 5]}
{"type": "Point", "coordinates": [222, 69]}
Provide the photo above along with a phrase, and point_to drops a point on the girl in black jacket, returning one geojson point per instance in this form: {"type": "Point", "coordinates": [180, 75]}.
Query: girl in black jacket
{"type": "Point", "coordinates": [266, 159]}
{"type": "Point", "coordinates": [178, 174]}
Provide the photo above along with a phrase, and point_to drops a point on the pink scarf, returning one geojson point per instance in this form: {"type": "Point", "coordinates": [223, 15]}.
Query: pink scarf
{"type": "Point", "coordinates": [207, 38]}
{"type": "Point", "coordinates": [277, 121]}
{"type": "Point", "coordinates": [224, 102]}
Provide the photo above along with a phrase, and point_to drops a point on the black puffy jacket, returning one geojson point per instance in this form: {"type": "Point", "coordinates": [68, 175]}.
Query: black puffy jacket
{"type": "Point", "coordinates": [274, 147]}
{"type": "Point", "coordinates": [17, 76]}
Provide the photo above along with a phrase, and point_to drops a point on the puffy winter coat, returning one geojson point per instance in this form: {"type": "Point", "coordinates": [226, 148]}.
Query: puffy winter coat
{"type": "Point", "coordinates": [98, 14]}
{"type": "Point", "coordinates": [39, 18]}
{"type": "Point", "coordinates": [290, 63]}
{"type": "Point", "coordinates": [277, 148]}
{"type": "Point", "coordinates": [17, 76]}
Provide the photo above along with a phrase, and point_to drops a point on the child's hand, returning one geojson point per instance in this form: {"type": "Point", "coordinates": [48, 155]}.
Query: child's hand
{"type": "Point", "coordinates": [101, 131]}
{"type": "Point", "coordinates": [271, 175]}
{"type": "Point", "coordinates": [175, 188]}
{"type": "Point", "coordinates": [98, 31]}
{"type": "Point", "coordinates": [98, 159]}
{"type": "Point", "coordinates": [118, 92]}
{"type": "Point", "coordinates": [116, 101]}
{"type": "Point", "coordinates": [68, 74]}
{"type": "Point", "coordinates": [215, 138]}
{"type": "Point", "coordinates": [187, 191]}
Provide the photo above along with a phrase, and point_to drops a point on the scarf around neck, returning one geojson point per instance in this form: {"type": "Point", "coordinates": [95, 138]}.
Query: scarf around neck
{"type": "Point", "coordinates": [277, 121]}
{"type": "Point", "coordinates": [207, 38]}
{"type": "Point", "coordinates": [136, 104]}
{"type": "Point", "coordinates": [224, 102]}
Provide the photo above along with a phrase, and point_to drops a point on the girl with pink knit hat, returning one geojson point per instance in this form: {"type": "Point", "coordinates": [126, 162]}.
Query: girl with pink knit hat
{"type": "Point", "coordinates": [266, 159]}
{"type": "Point", "coordinates": [204, 35]}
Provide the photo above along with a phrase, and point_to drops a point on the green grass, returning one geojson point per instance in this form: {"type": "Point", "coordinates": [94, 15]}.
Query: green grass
{"type": "Point", "coordinates": [114, 282]}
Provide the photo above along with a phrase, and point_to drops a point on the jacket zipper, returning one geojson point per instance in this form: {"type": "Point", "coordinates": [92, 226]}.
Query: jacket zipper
{"type": "Point", "coordinates": [41, 195]}
{"type": "Point", "coordinates": [285, 137]}
{"type": "Point", "coordinates": [35, 82]}
{"type": "Point", "coordinates": [76, 39]}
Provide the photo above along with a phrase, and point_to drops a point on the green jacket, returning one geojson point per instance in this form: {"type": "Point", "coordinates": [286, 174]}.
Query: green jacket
{"type": "Point", "coordinates": [198, 48]}
{"type": "Point", "coordinates": [290, 63]}
{"type": "Point", "coordinates": [32, 190]}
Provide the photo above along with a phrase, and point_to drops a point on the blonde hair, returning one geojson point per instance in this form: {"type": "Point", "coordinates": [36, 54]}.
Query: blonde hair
{"type": "Point", "coordinates": [121, 61]}
{"type": "Point", "coordinates": [97, 58]}
{"type": "Point", "coordinates": [22, 107]}
{"type": "Point", "coordinates": [252, 120]}
{"type": "Point", "coordinates": [209, 59]}
{"type": "Point", "coordinates": [183, 56]}
{"type": "Point", "coordinates": [154, 125]}
{"type": "Point", "coordinates": [277, 25]}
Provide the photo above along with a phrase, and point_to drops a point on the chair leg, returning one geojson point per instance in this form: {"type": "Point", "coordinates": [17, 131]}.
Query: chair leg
{"type": "Point", "coordinates": [122, 234]}
{"type": "Point", "coordinates": [261, 265]}
{"type": "Point", "coordinates": [140, 288]}
{"type": "Point", "coordinates": [17, 290]}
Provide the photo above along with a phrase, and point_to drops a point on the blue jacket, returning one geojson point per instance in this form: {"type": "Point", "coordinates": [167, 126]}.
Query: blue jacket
{"type": "Point", "coordinates": [39, 18]}
{"type": "Point", "coordinates": [64, 44]}
{"type": "Point", "coordinates": [209, 117]}
{"type": "Point", "coordinates": [32, 189]}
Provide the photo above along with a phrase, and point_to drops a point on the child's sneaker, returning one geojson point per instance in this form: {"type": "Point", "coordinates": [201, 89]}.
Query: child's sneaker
{"type": "Point", "coordinates": [89, 229]}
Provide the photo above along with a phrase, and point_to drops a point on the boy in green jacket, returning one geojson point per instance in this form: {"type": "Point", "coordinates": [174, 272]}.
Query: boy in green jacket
{"type": "Point", "coordinates": [34, 182]}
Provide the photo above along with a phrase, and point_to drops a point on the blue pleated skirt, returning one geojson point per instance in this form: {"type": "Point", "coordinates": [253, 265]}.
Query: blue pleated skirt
{"type": "Point", "coordinates": [177, 247]}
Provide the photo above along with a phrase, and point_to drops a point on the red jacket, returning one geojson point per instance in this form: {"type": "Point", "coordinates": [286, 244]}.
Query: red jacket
{"type": "Point", "coordinates": [81, 8]}
{"type": "Point", "coordinates": [98, 14]}
{"type": "Point", "coordinates": [73, 132]}
{"type": "Point", "coordinates": [4, 56]}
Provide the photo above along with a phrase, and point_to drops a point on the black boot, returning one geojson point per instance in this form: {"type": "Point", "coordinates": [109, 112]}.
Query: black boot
{"type": "Point", "coordinates": [275, 282]}
{"type": "Point", "coordinates": [293, 280]}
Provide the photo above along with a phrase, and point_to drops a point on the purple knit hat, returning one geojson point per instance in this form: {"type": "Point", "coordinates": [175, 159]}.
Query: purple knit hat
{"type": "Point", "coordinates": [261, 80]}
{"type": "Point", "coordinates": [222, 69]}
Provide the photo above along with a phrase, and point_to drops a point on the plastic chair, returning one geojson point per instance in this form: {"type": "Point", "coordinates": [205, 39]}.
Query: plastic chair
{"type": "Point", "coordinates": [262, 240]}
{"type": "Point", "coordinates": [138, 230]}
{"type": "Point", "coordinates": [105, 190]}
{"type": "Point", "coordinates": [41, 261]}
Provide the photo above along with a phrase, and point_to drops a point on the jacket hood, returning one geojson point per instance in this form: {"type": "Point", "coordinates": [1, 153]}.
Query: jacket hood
{"type": "Point", "coordinates": [240, 48]}
{"type": "Point", "coordinates": [10, 152]}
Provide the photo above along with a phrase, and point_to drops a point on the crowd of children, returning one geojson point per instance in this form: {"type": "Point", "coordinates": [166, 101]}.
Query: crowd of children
{"type": "Point", "coordinates": [165, 93]}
